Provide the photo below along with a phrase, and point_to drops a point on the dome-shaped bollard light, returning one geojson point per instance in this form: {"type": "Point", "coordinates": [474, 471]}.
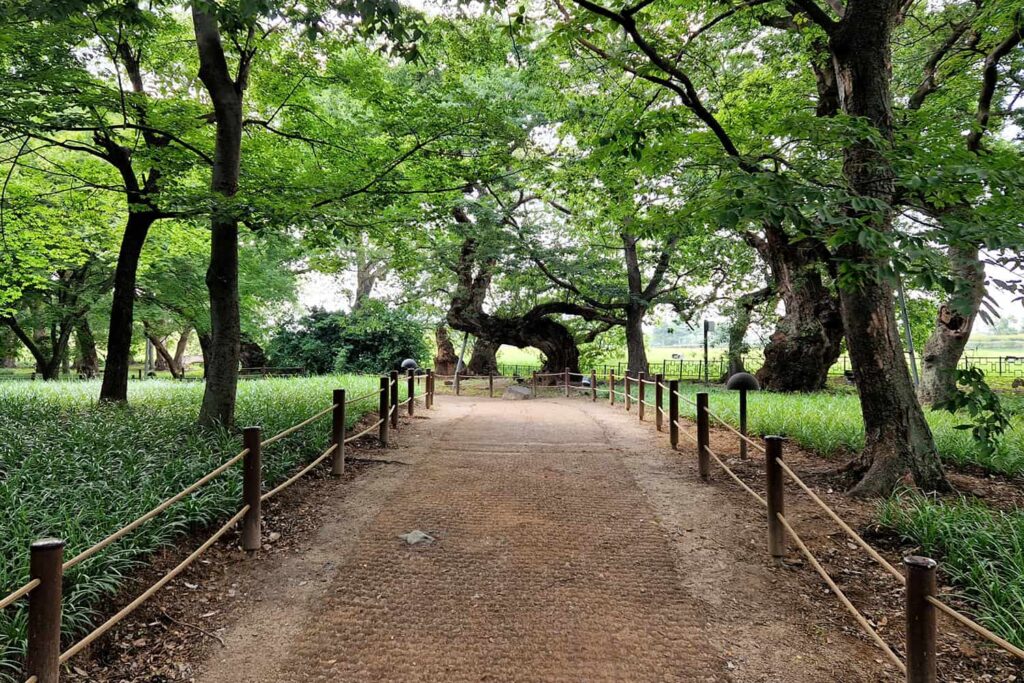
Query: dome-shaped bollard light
{"type": "Point", "coordinates": [410, 364]}
{"type": "Point", "coordinates": [743, 382]}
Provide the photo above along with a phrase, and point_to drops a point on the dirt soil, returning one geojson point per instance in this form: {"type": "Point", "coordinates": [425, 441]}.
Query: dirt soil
{"type": "Point", "coordinates": [569, 544]}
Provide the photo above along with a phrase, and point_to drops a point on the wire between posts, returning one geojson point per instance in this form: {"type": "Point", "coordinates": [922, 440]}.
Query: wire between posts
{"type": "Point", "coordinates": [298, 475]}
{"type": "Point", "coordinates": [124, 531]}
{"type": "Point", "coordinates": [974, 626]}
{"type": "Point", "coordinates": [292, 430]}
{"type": "Point", "coordinates": [843, 525]}
{"type": "Point", "coordinates": [735, 477]}
{"type": "Point", "coordinates": [868, 629]}
{"type": "Point", "coordinates": [167, 578]}
{"type": "Point", "coordinates": [364, 432]}
{"type": "Point", "coordinates": [20, 593]}
{"type": "Point", "coordinates": [736, 431]}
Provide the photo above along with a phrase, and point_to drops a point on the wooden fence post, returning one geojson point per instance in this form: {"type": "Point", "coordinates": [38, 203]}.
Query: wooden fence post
{"type": "Point", "coordinates": [625, 381]}
{"type": "Point", "coordinates": [46, 561]}
{"type": "Point", "coordinates": [252, 488]}
{"type": "Point", "coordinates": [567, 382]}
{"type": "Point", "coordinates": [611, 387]}
{"type": "Point", "coordinates": [641, 392]}
{"type": "Point", "coordinates": [411, 391]}
{"type": "Point", "coordinates": [490, 384]}
{"type": "Point", "coordinates": [673, 413]}
{"type": "Point", "coordinates": [428, 386]}
{"type": "Point", "coordinates": [776, 496]}
{"type": "Point", "coordinates": [383, 409]}
{"type": "Point", "coordinates": [921, 622]}
{"type": "Point", "coordinates": [394, 400]}
{"type": "Point", "coordinates": [703, 436]}
{"type": "Point", "coordinates": [338, 433]}
{"type": "Point", "coordinates": [534, 383]}
{"type": "Point", "coordinates": [593, 385]}
{"type": "Point", "coordinates": [659, 399]}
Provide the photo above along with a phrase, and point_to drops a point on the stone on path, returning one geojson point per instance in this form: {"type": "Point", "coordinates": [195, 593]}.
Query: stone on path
{"type": "Point", "coordinates": [517, 393]}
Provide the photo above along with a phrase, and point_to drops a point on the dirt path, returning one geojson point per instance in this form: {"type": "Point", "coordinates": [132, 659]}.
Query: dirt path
{"type": "Point", "coordinates": [571, 545]}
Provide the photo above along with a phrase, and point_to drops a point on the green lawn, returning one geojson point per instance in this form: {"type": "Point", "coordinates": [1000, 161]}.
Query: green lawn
{"type": "Point", "coordinates": [78, 470]}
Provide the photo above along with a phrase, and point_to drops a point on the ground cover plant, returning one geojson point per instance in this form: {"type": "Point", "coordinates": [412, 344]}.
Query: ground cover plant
{"type": "Point", "coordinates": [79, 470]}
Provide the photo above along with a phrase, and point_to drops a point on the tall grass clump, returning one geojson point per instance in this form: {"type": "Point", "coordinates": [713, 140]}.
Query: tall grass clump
{"type": "Point", "coordinates": [981, 549]}
{"type": "Point", "coordinates": [79, 470]}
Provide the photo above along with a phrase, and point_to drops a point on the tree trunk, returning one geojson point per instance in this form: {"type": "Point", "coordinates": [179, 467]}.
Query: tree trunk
{"type": "Point", "coordinates": [741, 315]}
{"type": "Point", "coordinates": [897, 438]}
{"type": "Point", "coordinates": [484, 360]}
{"type": "Point", "coordinates": [204, 347]}
{"type": "Point", "coordinates": [87, 364]}
{"type": "Point", "coordinates": [119, 339]}
{"type": "Point", "coordinates": [946, 344]}
{"type": "Point", "coordinates": [164, 355]}
{"type": "Point", "coordinates": [181, 348]}
{"type": "Point", "coordinates": [636, 350]}
{"type": "Point", "coordinates": [806, 341]}
{"type": "Point", "coordinates": [218, 407]}
{"type": "Point", "coordinates": [252, 354]}
{"type": "Point", "coordinates": [446, 359]}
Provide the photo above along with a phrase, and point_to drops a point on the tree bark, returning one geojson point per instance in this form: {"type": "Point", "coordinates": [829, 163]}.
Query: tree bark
{"type": "Point", "coordinates": [806, 342]}
{"type": "Point", "coordinates": [181, 348]}
{"type": "Point", "coordinates": [204, 348]}
{"type": "Point", "coordinates": [87, 363]}
{"type": "Point", "coordinates": [898, 440]}
{"type": "Point", "coordinates": [484, 360]}
{"type": "Point", "coordinates": [164, 355]}
{"type": "Point", "coordinates": [741, 316]}
{"type": "Point", "coordinates": [636, 349]}
{"type": "Point", "coordinates": [446, 359]}
{"type": "Point", "coordinates": [953, 328]}
{"type": "Point", "coordinates": [222, 361]}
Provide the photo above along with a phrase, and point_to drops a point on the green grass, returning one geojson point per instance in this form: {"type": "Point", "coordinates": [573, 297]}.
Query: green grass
{"type": "Point", "coordinates": [77, 470]}
{"type": "Point", "coordinates": [830, 423]}
{"type": "Point", "coordinates": [981, 550]}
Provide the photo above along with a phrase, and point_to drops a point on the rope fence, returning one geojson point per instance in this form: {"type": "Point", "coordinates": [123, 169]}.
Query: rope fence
{"type": "Point", "coordinates": [47, 567]}
{"type": "Point", "coordinates": [918, 577]}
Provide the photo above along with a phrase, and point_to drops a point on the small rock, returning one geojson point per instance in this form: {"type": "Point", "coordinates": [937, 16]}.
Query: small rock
{"type": "Point", "coordinates": [416, 536]}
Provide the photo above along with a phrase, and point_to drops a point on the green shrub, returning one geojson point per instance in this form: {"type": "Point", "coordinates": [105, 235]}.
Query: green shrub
{"type": "Point", "coordinates": [371, 339]}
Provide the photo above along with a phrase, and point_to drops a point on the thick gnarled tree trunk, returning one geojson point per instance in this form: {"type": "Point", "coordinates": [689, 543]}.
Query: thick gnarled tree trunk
{"type": "Point", "coordinates": [445, 360]}
{"type": "Point", "coordinates": [484, 360]}
{"type": "Point", "coordinates": [898, 441]}
{"type": "Point", "coordinates": [952, 330]}
{"type": "Point", "coordinates": [806, 341]}
{"type": "Point", "coordinates": [87, 361]}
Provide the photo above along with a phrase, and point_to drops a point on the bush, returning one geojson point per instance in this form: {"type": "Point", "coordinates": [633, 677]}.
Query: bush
{"type": "Point", "coordinates": [371, 339]}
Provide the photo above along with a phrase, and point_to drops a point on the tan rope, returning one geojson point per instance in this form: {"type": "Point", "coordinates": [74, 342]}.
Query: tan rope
{"type": "Point", "coordinates": [685, 433]}
{"type": "Point", "coordinates": [298, 475]}
{"type": "Point", "coordinates": [735, 478]}
{"type": "Point", "coordinates": [124, 531]}
{"type": "Point", "coordinates": [363, 397]}
{"type": "Point", "coordinates": [33, 679]}
{"type": "Point", "coordinates": [736, 431]}
{"type": "Point", "coordinates": [167, 578]}
{"type": "Point", "coordinates": [843, 525]}
{"type": "Point", "coordinates": [365, 431]}
{"type": "Point", "coordinates": [20, 593]}
{"type": "Point", "coordinates": [842, 597]}
{"type": "Point", "coordinates": [292, 430]}
{"type": "Point", "coordinates": [683, 398]}
{"type": "Point", "coordinates": [974, 626]}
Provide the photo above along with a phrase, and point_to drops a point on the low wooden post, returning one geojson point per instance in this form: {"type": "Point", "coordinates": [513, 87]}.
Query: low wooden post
{"type": "Point", "coordinates": [673, 413]}
{"type": "Point", "coordinates": [534, 383]}
{"type": "Point", "coordinates": [490, 384]}
{"type": "Point", "coordinates": [659, 399]}
{"type": "Point", "coordinates": [338, 433]}
{"type": "Point", "coordinates": [429, 388]}
{"type": "Point", "coordinates": [593, 386]}
{"type": "Point", "coordinates": [411, 390]}
{"type": "Point", "coordinates": [921, 619]}
{"type": "Point", "coordinates": [626, 388]}
{"type": "Point", "coordinates": [567, 382]}
{"type": "Point", "coordinates": [611, 387]}
{"type": "Point", "coordinates": [776, 497]}
{"type": "Point", "coordinates": [383, 409]}
{"type": "Point", "coordinates": [46, 560]}
{"type": "Point", "coordinates": [641, 392]}
{"type": "Point", "coordinates": [252, 487]}
{"type": "Point", "coordinates": [394, 400]}
{"type": "Point", "coordinates": [703, 436]}
{"type": "Point", "coordinates": [458, 383]}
